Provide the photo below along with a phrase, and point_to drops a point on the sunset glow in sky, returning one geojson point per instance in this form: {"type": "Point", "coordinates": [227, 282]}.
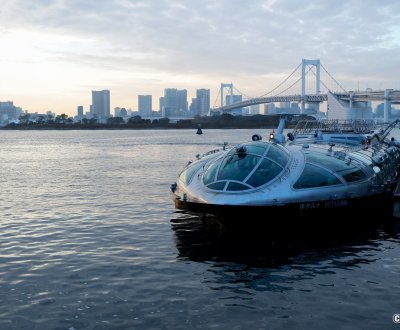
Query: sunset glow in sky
{"type": "Point", "coordinates": [55, 52]}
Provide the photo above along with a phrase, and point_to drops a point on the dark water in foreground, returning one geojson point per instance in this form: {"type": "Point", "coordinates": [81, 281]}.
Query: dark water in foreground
{"type": "Point", "coordinates": [89, 239]}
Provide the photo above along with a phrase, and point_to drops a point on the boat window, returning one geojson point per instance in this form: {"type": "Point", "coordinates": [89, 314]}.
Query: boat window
{"type": "Point", "coordinates": [237, 167]}
{"type": "Point", "coordinates": [346, 169]}
{"type": "Point", "coordinates": [353, 174]}
{"type": "Point", "coordinates": [187, 174]}
{"type": "Point", "coordinates": [256, 149]}
{"type": "Point", "coordinates": [220, 185]}
{"type": "Point", "coordinates": [314, 176]}
{"type": "Point", "coordinates": [277, 155]}
{"type": "Point", "coordinates": [236, 186]}
{"type": "Point", "coordinates": [211, 172]}
{"type": "Point", "coordinates": [264, 173]}
{"type": "Point", "coordinates": [333, 163]}
{"type": "Point", "coordinates": [247, 166]}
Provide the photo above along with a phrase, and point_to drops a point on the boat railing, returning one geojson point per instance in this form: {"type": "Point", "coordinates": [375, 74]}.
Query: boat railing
{"type": "Point", "coordinates": [342, 148]}
{"type": "Point", "coordinates": [385, 129]}
{"type": "Point", "coordinates": [361, 126]}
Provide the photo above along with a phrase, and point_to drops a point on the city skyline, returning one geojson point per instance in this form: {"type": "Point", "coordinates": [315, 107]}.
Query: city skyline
{"type": "Point", "coordinates": [59, 51]}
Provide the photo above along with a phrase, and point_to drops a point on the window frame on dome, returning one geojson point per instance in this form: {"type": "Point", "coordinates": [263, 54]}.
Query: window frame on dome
{"type": "Point", "coordinates": [285, 158]}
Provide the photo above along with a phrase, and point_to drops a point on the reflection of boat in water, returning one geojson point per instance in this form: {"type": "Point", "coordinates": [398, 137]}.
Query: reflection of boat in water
{"type": "Point", "coordinates": [325, 168]}
{"type": "Point", "coordinates": [197, 241]}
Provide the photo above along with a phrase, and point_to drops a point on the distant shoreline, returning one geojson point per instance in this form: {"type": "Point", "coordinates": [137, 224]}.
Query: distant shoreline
{"type": "Point", "coordinates": [34, 128]}
{"type": "Point", "coordinates": [225, 121]}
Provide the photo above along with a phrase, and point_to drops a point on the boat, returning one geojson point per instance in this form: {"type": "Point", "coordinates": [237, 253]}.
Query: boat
{"type": "Point", "coordinates": [340, 169]}
{"type": "Point", "coordinates": [199, 131]}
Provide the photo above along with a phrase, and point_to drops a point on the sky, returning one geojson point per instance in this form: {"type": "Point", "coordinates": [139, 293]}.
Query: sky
{"type": "Point", "coordinates": [55, 52]}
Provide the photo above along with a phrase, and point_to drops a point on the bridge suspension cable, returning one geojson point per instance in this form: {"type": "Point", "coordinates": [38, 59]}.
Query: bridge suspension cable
{"type": "Point", "coordinates": [332, 79]}
{"type": "Point", "coordinates": [283, 91]}
{"type": "Point", "coordinates": [292, 84]}
{"type": "Point", "coordinates": [286, 79]}
{"type": "Point", "coordinates": [327, 88]}
{"type": "Point", "coordinates": [310, 86]}
{"type": "Point", "coordinates": [249, 97]}
{"type": "Point", "coordinates": [216, 99]}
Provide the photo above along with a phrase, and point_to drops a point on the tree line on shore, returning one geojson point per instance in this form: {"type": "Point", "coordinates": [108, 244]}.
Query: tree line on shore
{"type": "Point", "coordinates": [137, 122]}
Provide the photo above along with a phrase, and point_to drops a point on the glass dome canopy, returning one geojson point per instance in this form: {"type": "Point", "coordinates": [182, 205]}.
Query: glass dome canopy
{"type": "Point", "coordinates": [323, 169]}
{"type": "Point", "coordinates": [247, 166]}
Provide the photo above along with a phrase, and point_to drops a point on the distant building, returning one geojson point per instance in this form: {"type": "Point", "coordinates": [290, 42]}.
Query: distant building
{"type": "Point", "coordinates": [79, 111]}
{"type": "Point", "coordinates": [117, 111]}
{"type": "Point", "coordinates": [182, 103]}
{"type": "Point", "coordinates": [193, 107]}
{"type": "Point", "coordinates": [379, 110]}
{"type": "Point", "coordinates": [101, 104]}
{"type": "Point", "coordinates": [8, 112]}
{"type": "Point", "coordinates": [232, 99]}
{"type": "Point", "coordinates": [255, 109]}
{"type": "Point", "coordinates": [170, 102]}
{"type": "Point", "coordinates": [284, 106]}
{"type": "Point", "coordinates": [145, 105]}
{"type": "Point", "coordinates": [294, 108]}
{"type": "Point", "coordinates": [162, 105]}
{"type": "Point", "coordinates": [202, 102]}
{"type": "Point", "coordinates": [174, 103]}
{"type": "Point", "coordinates": [120, 112]}
{"type": "Point", "coordinates": [269, 109]}
{"type": "Point", "coordinates": [123, 113]}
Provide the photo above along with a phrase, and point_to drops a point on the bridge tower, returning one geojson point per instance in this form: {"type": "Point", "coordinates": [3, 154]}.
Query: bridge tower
{"type": "Point", "coordinates": [230, 86]}
{"type": "Point", "coordinates": [304, 64]}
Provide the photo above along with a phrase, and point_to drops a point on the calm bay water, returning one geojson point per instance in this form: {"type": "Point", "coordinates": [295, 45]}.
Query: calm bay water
{"type": "Point", "coordinates": [90, 239]}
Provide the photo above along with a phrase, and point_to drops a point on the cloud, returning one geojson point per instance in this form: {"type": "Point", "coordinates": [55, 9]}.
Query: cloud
{"type": "Point", "coordinates": [223, 40]}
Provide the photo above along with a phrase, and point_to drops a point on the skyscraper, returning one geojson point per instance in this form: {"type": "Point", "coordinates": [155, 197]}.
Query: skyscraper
{"type": "Point", "coordinates": [193, 107]}
{"type": "Point", "coordinates": [79, 110]}
{"type": "Point", "coordinates": [182, 103]}
{"type": "Point", "coordinates": [170, 102]}
{"type": "Point", "coordinates": [203, 102]}
{"type": "Point", "coordinates": [162, 106]}
{"type": "Point", "coordinates": [101, 104]}
{"type": "Point", "coordinates": [174, 102]}
{"type": "Point", "coordinates": [145, 105]}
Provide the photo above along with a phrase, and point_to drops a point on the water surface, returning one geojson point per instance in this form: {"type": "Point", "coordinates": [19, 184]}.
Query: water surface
{"type": "Point", "coordinates": [90, 239]}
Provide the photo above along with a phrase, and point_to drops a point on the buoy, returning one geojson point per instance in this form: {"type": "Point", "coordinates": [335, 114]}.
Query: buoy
{"type": "Point", "coordinates": [199, 131]}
